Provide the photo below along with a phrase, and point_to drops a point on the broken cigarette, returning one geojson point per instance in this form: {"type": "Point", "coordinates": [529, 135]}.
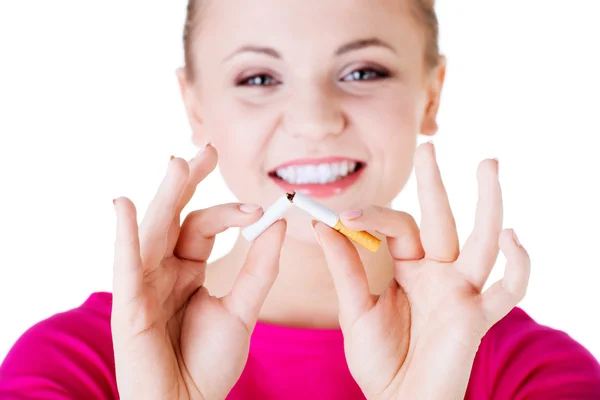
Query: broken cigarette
{"type": "Point", "coordinates": [276, 211]}
{"type": "Point", "coordinates": [328, 217]}
{"type": "Point", "coordinates": [271, 215]}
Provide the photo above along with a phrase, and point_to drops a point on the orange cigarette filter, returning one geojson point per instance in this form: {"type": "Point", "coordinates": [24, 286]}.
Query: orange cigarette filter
{"type": "Point", "coordinates": [363, 238]}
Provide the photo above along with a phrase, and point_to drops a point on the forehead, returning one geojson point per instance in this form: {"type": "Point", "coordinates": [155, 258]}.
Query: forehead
{"type": "Point", "coordinates": [304, 25]}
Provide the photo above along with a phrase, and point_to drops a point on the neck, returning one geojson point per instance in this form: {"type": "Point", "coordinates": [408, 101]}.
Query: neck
{"type": "Point", "coordinates": [303, 294]}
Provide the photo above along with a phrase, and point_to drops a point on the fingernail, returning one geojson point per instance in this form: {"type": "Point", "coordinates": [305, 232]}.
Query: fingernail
{"type": "Point", "coordinates": [516, 239]}
{"type": "Point", "coordinates": [350, 215]}
{"type": "Point", "coordinates": [497, 165]}
{"type": "Point", "coordinates": [313, 223]}
{"type": "Point", "coordinates": [172, 157]}
{"type": "Point", "coordinates": [115, 202]}
{"type": "Point", "coordinates": [206, 146]}
{"type": "Point", "coordinates": [249, 208]}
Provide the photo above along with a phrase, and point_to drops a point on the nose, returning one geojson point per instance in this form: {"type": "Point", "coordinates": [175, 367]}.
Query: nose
{"type": "Point", "coordinates": [314, 113]}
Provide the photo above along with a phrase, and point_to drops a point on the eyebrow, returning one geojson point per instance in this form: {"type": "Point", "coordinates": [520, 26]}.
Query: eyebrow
{"type": "Point", "coordinates": [345, 48]}
{"type": "Point", "coordinates": [254, 49]}
{"type": "Point", "coordinates": [361, 44]}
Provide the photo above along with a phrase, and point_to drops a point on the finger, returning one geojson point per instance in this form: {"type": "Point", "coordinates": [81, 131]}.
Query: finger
{"type": "Point", "coordinates": [127, 268]}
{"type": "Point", "coordinates": [505, 294]}
{"type": "Point", "coordinates": [257, 276]}
{"type": "Point", "coordinates": [438, 228]}
{"type": "Point", "coordinates": [199, 229]}
{"type": "Point", "coordinates": [160, 213]}
{"type": "Point", "coordinates": [348, 273]}
{"type": "Point", "coordinates": [400, 228]}
{"type": "Point", "coordinates": [200, 167]}
{"type": "Point", "coordinates": [481, 249]}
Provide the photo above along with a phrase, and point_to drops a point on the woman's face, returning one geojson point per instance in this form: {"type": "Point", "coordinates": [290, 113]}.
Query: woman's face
{"type": "Point", "coordinates": [325, 97]}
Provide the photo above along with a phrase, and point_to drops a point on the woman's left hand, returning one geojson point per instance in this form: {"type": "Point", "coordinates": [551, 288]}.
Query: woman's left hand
{"type": "Point", "coordinates": [418, 340]}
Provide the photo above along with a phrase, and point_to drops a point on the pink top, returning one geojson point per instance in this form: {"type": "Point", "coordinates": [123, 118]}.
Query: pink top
{"type": "Point", "coordinates": [69, 356]}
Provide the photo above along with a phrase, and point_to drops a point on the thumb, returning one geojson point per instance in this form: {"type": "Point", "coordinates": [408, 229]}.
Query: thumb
{"type": "Point", "coordinates": [257, 276]}
{"type": "Point", "coordinates": [348, 273]}
{"type": "Point", "coordinates": [505, 294]}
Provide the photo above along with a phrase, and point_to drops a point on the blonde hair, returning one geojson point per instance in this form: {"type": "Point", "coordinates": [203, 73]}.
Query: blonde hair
{"type": "Point", "coordinates": [423, 10]}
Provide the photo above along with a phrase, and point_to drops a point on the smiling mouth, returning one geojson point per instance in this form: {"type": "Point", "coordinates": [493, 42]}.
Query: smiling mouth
{"type": "Point", "coordinates": [317, 174]}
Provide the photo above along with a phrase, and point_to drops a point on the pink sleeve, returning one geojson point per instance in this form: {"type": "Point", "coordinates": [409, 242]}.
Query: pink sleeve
{"type": "Point", "coordinates": [68, 356]}
{"type": "Point", "coordinates": [520, 359]}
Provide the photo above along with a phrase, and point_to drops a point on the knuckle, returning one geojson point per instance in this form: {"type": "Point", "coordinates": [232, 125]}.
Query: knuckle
{"type": "Point", "coordinates": [371, 211]}
{"type": "Point", "coordinates": [517, 289]}
{"type": "Point", "coordinates": [378, 209]}
{"type": "Point", "coordinates": [409, 219]}
{"type": "Point", "coordinates": [180, 165]}
{"type": "Point", "coordinates": [517, 293]}
{"type": "Point", "coordinates": [194, 216]}
{"type": "Point", "coordinates": [379, 213]}
{"type": "Point", "coordinates": [484, 239]}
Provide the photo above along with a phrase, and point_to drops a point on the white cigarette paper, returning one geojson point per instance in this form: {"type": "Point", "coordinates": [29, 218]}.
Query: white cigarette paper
{"type": "Point", "coordinates": [317, 210]}
{"type": "Point", "coordinates": [271, 215]}
{"type": "Point", "coordinates": [329, 217]}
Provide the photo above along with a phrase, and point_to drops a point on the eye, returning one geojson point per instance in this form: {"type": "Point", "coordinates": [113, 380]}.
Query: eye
{"type": "Point", "coordinates": [258, 80]}
{"type": "Point", "coordinates": [366, 74]}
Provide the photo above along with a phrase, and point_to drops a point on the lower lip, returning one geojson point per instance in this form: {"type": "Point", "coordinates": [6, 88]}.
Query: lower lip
{"type": "Point", "coordinates": [321, 190]}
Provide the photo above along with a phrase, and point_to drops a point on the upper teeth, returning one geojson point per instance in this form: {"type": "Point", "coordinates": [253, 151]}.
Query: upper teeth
{"type": "Point", "coordinates": [321, 173]}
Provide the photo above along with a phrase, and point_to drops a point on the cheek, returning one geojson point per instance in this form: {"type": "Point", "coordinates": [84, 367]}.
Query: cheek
{"type": "Point", "coordinates": [390, 126]}
{"type": "Point", "coordinates": [231, 130]}
{"type": "Point", "coordinates": [389, 116]}
{"type": "Point", "coordinates": [240, 132]}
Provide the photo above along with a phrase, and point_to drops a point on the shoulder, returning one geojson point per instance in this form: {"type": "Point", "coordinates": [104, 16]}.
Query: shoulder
{"type": "Point", "coordinates": [521, 358]}
{"type": "Point", "coordinates": [69, 353]}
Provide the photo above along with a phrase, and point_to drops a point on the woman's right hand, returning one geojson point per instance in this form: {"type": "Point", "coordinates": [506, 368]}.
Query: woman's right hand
{"type": "Point", "coordinates": [172, 340]}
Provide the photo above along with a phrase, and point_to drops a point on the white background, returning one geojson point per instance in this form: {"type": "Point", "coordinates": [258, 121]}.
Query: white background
{"type": "Point", "coordinates": [90, 110]}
